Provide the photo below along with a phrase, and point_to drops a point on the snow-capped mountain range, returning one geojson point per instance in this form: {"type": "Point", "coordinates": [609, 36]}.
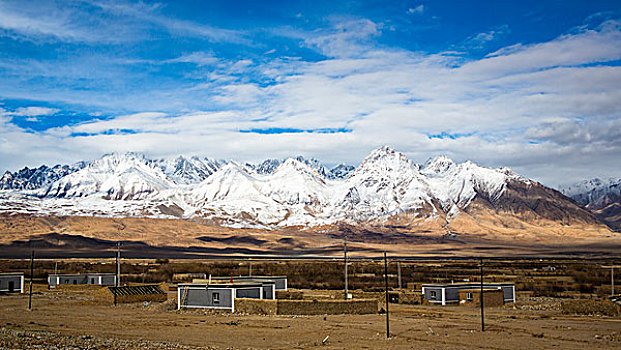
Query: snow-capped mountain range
{"type": "Point", "coordinates": [279, 193]}
{"type": "Point", "coordinates": [603, 197]}
{"type": "Point", "coordinates": [595, 193]}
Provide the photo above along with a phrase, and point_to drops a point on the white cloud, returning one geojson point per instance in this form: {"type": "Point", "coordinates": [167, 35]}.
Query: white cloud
{"type": "Point", "coordinates": [34, 111]}
{"type": "Point", "coordinates": [95, 21]}
{"type": "Point", "coordinates": [198, 58]}
{"type": "Point", "coordinates": [550, 110]}
{"type": "Point", "coordinates": [347, 37]}
{"type": "Point", "coordinates": [417, 9]}
{"type": "Point", "coordinates": [480, 40]}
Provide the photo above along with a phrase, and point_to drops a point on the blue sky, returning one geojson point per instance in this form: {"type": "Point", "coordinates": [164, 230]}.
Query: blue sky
{"type": "Point", "coordinates": [532, 85]}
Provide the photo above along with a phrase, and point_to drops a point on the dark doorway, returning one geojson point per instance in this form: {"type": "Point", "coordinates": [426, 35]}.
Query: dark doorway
{"type": "Point", "coordinates": [11, 286]}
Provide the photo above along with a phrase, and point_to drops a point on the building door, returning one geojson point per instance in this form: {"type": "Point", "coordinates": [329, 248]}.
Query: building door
{"type": "Point", "coordinates": [11, 286]}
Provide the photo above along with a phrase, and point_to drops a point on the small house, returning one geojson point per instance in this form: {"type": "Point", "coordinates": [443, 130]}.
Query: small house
{"type": "Point", "coordinates": [103, 279]}
{"type": "Point", "coordinates": [222, 295]}
{"type": "Point", "coordinates": [449, 293]}
{"type": "Point", "coordinates": [12, 282]}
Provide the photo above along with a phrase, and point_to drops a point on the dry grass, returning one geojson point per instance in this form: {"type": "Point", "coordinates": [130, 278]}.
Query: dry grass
{"type": "Point", "coordinates": [590, 307]}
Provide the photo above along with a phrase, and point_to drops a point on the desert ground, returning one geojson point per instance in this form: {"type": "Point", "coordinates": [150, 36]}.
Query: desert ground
{"type": "Point", "coordinates": [70, 319]}
{"type": "Point", "coordinates": [90, 237]}
{"type": "Point", "coordinates": [540, 319]}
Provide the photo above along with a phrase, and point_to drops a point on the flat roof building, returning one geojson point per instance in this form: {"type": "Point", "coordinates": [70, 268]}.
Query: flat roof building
{"type": "Point", "coordinates": [12, 282]}
{"type": "Point", "coordinates": [449, 293]}
{"type": "Point", "coordinates": [103, 279]}
{"type": "Point", "coordinates": [222, 295]}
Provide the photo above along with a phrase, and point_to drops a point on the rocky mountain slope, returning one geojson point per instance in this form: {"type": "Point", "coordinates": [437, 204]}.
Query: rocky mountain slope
{"type": "Point", "coordinates": [603, 197]}
{"type": "Point", "coordinates": [387, 190]}
{"type": "Point", "coordinates": [30, 179]}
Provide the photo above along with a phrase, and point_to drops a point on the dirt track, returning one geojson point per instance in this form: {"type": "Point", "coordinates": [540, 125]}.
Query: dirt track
{"type": "Point", "coordinates": [70, 319]}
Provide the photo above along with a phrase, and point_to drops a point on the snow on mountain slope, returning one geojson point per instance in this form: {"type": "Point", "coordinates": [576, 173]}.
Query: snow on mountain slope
{"type": "Point", "coordinates": [114, 176]}
{"type": "Point", "coordinates": [184, 170]}
{"type": "Point", "coordinates": [31, 179]}
{"type": "Point", "coordinates": [292, 192]}
{"type": "Point", "coordinates": [602, 197]}
{"type": "Point", "coordinates": [268, 166]}
{"type": "Point", "coordinates": [342, 171]}
{"type": "Point", "coordinates": [386, 183]}
{"type": "Point", "coordinates": [231, 182]}
{"type": "Point", "coordinates": [287, 196]}
{"type": "Point", "coordinates": [456, 185]}
{"type": "Point", "coordinates": [595, 194]}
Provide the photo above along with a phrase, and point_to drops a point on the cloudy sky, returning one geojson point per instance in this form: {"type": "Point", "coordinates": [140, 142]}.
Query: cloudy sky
{"type": "Point", "coordinates": [535, 87]}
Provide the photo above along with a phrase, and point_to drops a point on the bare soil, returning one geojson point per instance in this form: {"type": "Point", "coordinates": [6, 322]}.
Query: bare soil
{"type": "Point", "coordinates": [143, 237]}
{"type": "Point", "coordinates": [63, 319]}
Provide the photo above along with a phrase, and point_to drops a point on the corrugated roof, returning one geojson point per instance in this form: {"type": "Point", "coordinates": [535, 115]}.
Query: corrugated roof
{"type": "Point", "coordinates": [137, 290]}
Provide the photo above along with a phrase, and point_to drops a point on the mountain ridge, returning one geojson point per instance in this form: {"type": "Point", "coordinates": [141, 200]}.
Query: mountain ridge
{"type": "Point", "coordinates": [602, 197]}
{"type": "Point", "coordinates": [386, 189]}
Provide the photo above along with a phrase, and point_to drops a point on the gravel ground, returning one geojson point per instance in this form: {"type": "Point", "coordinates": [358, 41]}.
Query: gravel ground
{"type": "Point", "coordinates": [18, 339]}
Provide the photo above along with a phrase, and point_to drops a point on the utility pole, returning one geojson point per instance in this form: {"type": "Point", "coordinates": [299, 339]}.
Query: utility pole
{"type": "Point", "coordinates": [481, 301]}
{"type": "Point", "coordinates": [118, 263]}
{"type": "Point", "coordinates": [399, 273]}
{"type": "Point", "coordinates": [386, 289]}
{"type": "Point", "coordinates": [345, 259]}
{"type": "Point", "coordinates": [55, 272]}
{"type": "Point", "coordinates": [612, 279]}
{"type": "Point", "coordinates": [31, 276]}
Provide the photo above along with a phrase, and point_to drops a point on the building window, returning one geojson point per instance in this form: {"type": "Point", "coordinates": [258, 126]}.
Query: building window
{"type": "Point", "coordinates": [216, 298]}
{"type": "Point", "coordinates": [432, 294]}
{"type": "Point", "coordinates": [469, 296]}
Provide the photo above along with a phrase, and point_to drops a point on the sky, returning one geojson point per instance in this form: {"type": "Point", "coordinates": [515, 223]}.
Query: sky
{"type": "Point", "coordinates": [530, 85]}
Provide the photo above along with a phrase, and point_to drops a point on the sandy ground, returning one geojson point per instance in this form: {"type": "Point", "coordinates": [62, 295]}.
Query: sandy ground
{"type": "Point", "coordinates": [141, 237]}
{"type": "Point", "coordinates": [70, 319]}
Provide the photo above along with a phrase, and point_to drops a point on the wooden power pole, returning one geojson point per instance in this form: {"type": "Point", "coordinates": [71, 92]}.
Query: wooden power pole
{"type": "Point", "coordinates": [481, 301]}
{"type": "Point", "coordinates": [118, 263]}
{"type": "Point", "coordinates": [612, 277]}
{"type": "Point", "coordinates": [386, 289]}
{"type": "Point", "coordinates": [345, 258]}
{"type": "Point", "coordinates": [31, 276]}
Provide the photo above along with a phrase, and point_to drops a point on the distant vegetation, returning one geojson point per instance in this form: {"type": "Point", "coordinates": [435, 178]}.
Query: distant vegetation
{"type": "Point", "coordinates": [540, 278]}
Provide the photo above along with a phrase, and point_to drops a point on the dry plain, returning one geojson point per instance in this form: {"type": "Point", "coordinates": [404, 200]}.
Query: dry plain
{"type": "Point", "coordinates": [71, 319]}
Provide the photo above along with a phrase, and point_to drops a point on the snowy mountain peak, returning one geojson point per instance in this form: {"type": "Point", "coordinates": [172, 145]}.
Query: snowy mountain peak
{"type": "Point", "coordinates": [113, 176]}
{"type": "Point", "coordinates": [191, 170]}
{"type": "Point", "coordinates": [382, 152]}
{"type": "Point", "coordinates": [595, 193]}
{"type": "Point", "coordinates": [385, 159]}
{"type": "Point", "coordinates": [295, 164]}
{"type": "Point", "coordinates": [118, 162]}
{"type": "Point", "coordinates": [437, 165]}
